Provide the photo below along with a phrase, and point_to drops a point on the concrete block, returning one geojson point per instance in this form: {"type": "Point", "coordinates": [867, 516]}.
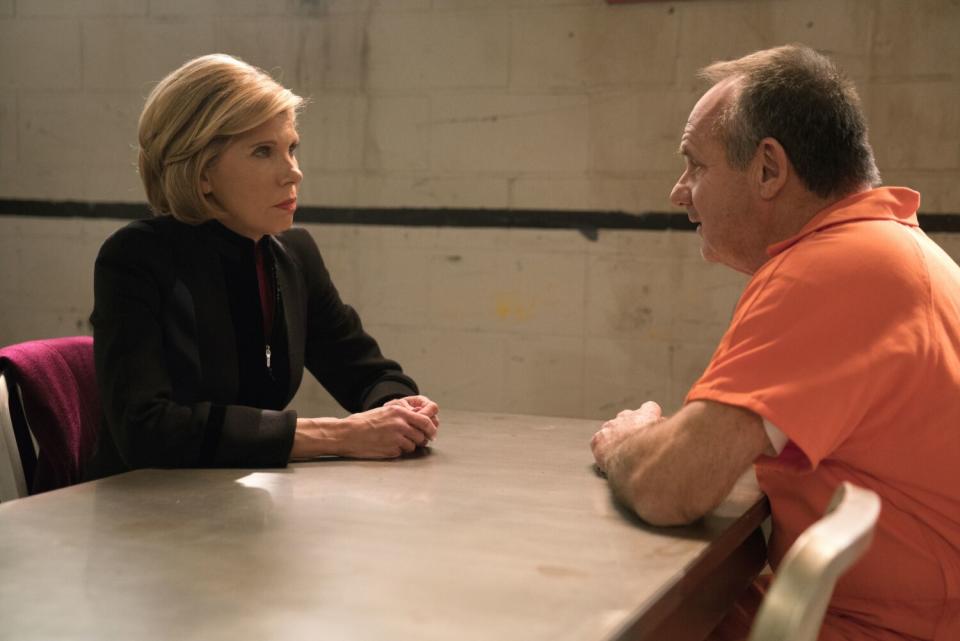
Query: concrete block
{"type": "Point", "coordinates": [623, 374]}
{"type": "Point", "coordinates": [398, 133]}
{"type": "Point", "coordinates": [271, 43]}
{"type": "Point", "coordinates": [573, 192]}
{"type": "Point", "coordinates": [378, 190]}
{"type": "Point", "coordinates": [150, 50]}
{"type": "Point", "coordinates": [580, 47]}
{"type": "Point", "coordinates": [39, 54]}
{"type": "Point", "coordinates": [8, 134]}
{"type": "Point", "coordinates": [950, 243]}
{"type": "Point", "coordinates": [915, 125]}
{"type": "Point", "coordinates": [647, 192]}
{"type": "Point", "coordinates": [320, 8]}
{"type": "Point", "coordinates": [37, 180]}
{"type": "Point", "coordinates": [688, 364]}
{"type": "Point", "coordinates": [65, 268]}
{"type": "Point", "coordinates": [627, 297]}
{"type": "Point", "coordinates": [332, 133]}
{"type": "Point", "coordinates": [390, 286]}
{"type": "Point", "coordinates": [328, 189]}
{"type": "Point", "coordinates": [376, 237]}
{"type": "Point", "coordinates": [703, 299]}
{"type": "Point", "coordinates": [73, 8]}
{"type": "Point", "coordinates": [386, 6]}
{"type": "Point", "coordinates": [330, 53]}
{"type": "Point", "coordinates": [555, 241]}
{"type": "Point", "coordinates": [28, 228]}
{"type": "Point", "coordinates": [652, 246]}
{"type": "Point", "coordinates": [638, 131]}
{"type": "Point", "coordinates": [11, 264]}
{"type": "Point", "coordinates": [506, 4]}
{"type": "Point", "coordinates": [837, 28]}
{"type": "Point", "coordinates": [713, 32]}
{"type": "Point", "coordinates": [643, 192]}
{"type": "Point", "coordinates": [509, 133]}
{"type": "Point", "coordinates": [71, 131]}
{"type": "Point", "coordinates": [27, 324]}
{"type": "Point", "coordinates": [309, 55]}
{"type": "Point", "coordinates": [312, 401]}
{"type": "Point", "coordinates": [115, 182]}
{"type": "Point", "coordinates": [939, 190]}
{"type": "Point", "coordinates": [543, 375]}
{"type": "Point", "coordinates": [916, 39]}
{"type": "Point", "coordinates": [216, 8]}
{"type": "Point", "coordinates": [457, 239]}
{"type": "Point", "coordinates": [459, 369]}
{"type": "Point", "coordinates": [93, 231]}
{"type": "Point", "coordinates": [505, 292]}
{"type": "Point", "coordinates": [437, 50]}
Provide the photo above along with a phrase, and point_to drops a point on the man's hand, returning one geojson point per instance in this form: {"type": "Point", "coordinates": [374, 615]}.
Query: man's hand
{"type": "Point", "coordinates": [613, 432]}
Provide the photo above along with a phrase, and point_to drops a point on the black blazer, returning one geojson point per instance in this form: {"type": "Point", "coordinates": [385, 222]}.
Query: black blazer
{"type": "Point", "coordinates": [166, 349]}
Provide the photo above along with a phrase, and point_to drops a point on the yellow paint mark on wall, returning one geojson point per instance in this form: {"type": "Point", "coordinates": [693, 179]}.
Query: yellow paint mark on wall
{"type": "Point", "coordinates": [509, 306]}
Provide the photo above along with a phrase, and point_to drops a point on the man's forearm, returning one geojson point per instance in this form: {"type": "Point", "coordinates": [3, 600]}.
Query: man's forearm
{"type": "Point", "coordinates": [676, 471]}
{"type": "Point", "coordinates": [643, 477]}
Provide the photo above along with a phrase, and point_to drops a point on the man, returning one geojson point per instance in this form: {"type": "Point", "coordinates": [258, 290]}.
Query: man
{"type": "Point", "coordinates": [842, 361]}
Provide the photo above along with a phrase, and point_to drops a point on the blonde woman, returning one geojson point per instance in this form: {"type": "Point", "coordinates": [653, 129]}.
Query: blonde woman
{"type": "Point", "coordinates": [206, 315]}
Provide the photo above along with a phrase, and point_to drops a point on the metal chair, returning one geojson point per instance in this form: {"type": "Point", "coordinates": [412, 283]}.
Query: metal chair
{"type": "Point", "coordinates": [794, 607]}
{"type": "Point", "coordinates": [18, 450]}
{"type": "Point", "coordinates": [49, 414]}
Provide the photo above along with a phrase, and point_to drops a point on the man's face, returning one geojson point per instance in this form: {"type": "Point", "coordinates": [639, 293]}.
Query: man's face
{"type": "Point", "coordinates": [715, 195]}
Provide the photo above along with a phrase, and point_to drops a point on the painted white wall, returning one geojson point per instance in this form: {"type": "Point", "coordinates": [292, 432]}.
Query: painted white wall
{"type": "Point", "coordinates": [528, 104]}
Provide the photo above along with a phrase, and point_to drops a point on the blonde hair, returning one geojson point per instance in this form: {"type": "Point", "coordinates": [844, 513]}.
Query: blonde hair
{"type": "Point", "coordinates": [188, 119]}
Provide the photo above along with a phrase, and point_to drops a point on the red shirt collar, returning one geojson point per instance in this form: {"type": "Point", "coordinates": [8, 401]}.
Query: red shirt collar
{"type": "Point", "coordinates": [884, 203]}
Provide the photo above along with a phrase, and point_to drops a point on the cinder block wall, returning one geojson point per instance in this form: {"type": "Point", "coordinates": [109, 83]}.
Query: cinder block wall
{"type": "Point", "coordinates": [522, 104]}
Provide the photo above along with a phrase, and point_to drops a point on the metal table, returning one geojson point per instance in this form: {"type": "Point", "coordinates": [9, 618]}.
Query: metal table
{"type": "Point", "coordinates": [501, 531]}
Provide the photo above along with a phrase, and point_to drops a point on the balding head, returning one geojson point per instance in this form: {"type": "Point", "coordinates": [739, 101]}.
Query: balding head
{"type": "Point", "coordinates": [798, 97]}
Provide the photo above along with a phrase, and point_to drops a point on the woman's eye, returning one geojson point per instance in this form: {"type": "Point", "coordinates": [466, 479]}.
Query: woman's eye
{"type": "Point", "coordinates": [293, 148]}
{"type": "Point", "coordinates": [262, 152]}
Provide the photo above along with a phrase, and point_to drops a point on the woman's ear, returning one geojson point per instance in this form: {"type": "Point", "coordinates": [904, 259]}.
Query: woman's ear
{"type": "Point", "coordinates": [774, 168]}
{"type": "Point", "coordinates": [206, 187]}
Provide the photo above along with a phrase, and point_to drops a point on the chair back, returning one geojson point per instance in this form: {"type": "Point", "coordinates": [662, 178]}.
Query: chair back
{"type": "Point", "coordinates": [15, 462]}
{"type": "Point", "coordinates": [794, 607]}
{"type": "Point", "coordinates": [49, 414]}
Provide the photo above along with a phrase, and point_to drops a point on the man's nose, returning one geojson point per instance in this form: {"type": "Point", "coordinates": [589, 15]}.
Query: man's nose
{"type": "Point", "coordinates": [680, 195]}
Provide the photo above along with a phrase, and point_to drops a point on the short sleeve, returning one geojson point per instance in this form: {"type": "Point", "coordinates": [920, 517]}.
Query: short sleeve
{"type": "Point", "coordinates": [819, 340]}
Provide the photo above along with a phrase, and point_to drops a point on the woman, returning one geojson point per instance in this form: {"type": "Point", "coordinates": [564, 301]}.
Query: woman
{"type": "Point", "coordinates": [206, 315]}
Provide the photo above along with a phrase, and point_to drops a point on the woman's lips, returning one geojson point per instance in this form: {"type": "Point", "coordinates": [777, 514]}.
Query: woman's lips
{"type": "Point", "coordinates": [287, 205]}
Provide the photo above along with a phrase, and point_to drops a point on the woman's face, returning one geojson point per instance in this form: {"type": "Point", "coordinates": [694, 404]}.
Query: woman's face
{"type": "Point", "coordinates": [253, 182]}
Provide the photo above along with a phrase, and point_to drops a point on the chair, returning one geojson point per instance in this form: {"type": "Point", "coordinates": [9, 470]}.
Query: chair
{"type": "Point", "coordinates": [49, 414]}
{"type": "Point", "coordinates": [794, 607]}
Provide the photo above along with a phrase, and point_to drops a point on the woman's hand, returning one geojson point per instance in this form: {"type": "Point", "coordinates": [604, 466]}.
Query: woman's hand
{"type": "Point", "coordinates": [383, 432]}
{"type": "Point", "coordinates": [419, 404]}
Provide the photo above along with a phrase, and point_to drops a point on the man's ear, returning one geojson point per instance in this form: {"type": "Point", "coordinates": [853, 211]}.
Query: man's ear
{"type": "Point", "coordinates": [773, 169]}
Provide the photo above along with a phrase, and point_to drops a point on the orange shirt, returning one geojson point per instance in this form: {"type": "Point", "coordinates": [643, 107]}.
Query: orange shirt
{"type": "Point", "coordinates": [848, 340]}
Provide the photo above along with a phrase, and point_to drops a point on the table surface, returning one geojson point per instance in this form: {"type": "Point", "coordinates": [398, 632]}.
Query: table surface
{"type": "Point", "coordinates": [501, 531]}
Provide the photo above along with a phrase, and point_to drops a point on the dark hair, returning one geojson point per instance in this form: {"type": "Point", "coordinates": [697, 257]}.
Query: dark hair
{"type": "Point", "coordinates": [798, 97]}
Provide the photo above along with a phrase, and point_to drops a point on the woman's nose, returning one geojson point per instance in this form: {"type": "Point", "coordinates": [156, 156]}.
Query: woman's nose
{"type": "Point", "coordinates": [293, 174]}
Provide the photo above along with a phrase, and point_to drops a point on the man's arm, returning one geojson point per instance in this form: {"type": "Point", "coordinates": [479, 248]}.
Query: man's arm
{"type": "Point", "coordinates": [674, 471]}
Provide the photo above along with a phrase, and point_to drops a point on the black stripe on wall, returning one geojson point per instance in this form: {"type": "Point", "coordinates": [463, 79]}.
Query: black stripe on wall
{"type": "Point", "coordinates": [586, 221]}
